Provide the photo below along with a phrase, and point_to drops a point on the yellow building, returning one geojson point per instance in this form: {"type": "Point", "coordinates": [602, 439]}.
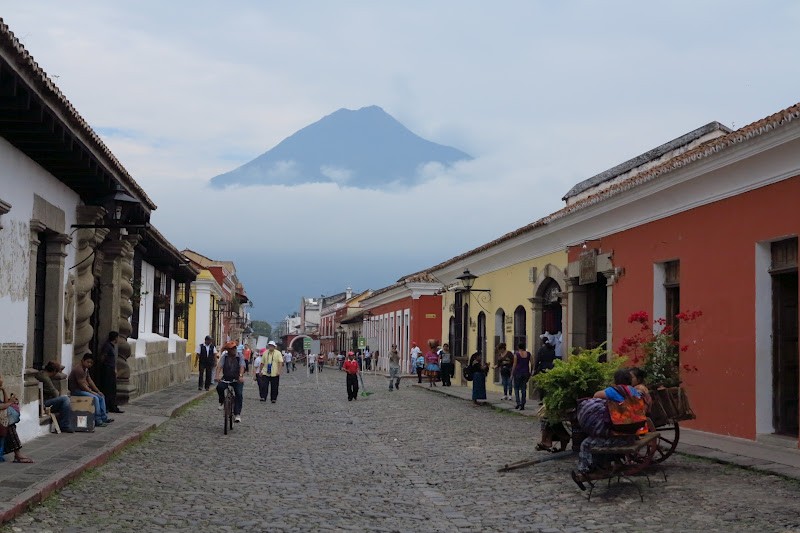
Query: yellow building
{"type": "Point", "coordinates": [519, 294]}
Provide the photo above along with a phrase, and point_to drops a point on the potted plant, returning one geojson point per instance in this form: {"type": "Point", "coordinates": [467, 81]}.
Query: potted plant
{"type": "Point", "coordinates": [161, 300]}
{"type": "Point", "coordinates": [655, 348]}
{"type": "Point", "coordinates": [580, 376]}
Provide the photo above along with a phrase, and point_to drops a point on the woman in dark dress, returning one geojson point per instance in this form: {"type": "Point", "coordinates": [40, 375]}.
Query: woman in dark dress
{"type": "Point", "coordinates": [478, 370]}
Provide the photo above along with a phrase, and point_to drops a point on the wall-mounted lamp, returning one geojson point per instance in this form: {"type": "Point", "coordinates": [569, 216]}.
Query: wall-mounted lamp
{"type": "Point", "coordinates": [119, 206]}
{"type": "Point", "coordinates": [468, 281]}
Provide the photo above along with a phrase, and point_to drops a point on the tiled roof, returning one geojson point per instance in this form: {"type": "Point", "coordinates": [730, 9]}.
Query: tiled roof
{"type": "Point", "coordinates": [743, 134]}
{"type": "Point", "coordinates": [650, 155]}
{"type": "Point", "coordinates": [50, 93]}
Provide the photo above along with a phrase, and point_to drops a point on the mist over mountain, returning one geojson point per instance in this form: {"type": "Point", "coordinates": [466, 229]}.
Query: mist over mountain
{"type": "Point", "coordinates": [367, 148]}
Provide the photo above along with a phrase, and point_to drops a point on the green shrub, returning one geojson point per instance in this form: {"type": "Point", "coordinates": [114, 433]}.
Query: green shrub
{"type": "Point", "coordinates": [580, 376]}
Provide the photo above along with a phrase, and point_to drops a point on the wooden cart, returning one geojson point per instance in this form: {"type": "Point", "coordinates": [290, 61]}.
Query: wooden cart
{"type": "Point", "coordinates": [670, 406]}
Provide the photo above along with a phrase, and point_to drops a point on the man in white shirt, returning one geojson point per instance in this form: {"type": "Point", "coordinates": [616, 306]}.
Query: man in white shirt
{"type": "Point", "coordinates": [287, 359]}
{"type": "Point", "coordinates": [262, 391]}
{"type": "Point", "coordinates": [415, 353]}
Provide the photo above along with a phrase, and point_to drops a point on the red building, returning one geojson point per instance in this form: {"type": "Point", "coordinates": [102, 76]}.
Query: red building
{"type": "Point", "coordinates": [713, 229]}
{"type": "Point", "coordinates": [408, 311]}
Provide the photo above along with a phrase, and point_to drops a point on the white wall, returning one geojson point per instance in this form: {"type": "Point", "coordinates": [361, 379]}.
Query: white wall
{"type": "Point", "coordinates": [20, 179]}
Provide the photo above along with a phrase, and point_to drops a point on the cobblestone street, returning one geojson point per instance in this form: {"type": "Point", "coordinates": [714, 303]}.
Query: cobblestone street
{"type": "Point", "coordinates": [407, 460]}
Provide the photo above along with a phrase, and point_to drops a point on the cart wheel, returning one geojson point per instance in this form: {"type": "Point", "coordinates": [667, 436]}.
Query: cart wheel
{"type": "Point", "coordinates": [667, 441]}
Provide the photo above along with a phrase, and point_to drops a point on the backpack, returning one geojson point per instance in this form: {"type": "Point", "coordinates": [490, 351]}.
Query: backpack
{"type": "Point", "coordinates": [628, 416]}
{"type": "Point", "coordinates": [466, 373]}
{"type": "Point", "coordinates": [230, 367]}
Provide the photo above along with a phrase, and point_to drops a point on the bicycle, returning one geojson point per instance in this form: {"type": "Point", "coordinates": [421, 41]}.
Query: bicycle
{"type": "Point", "coordinates": [227, 406]}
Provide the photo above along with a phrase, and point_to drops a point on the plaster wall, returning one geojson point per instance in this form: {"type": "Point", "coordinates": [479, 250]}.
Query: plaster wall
{"type": "Point", "coordinates": [510, 287]}
{"type": "Point", "coordinates": [20, 181]}
{"type": "Point", "coordinates": [721, 248]}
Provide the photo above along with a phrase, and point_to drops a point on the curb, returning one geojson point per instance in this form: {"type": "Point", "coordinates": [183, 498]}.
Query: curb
{"type": "Point", "coordinates": [59, 480]}
{"type": "Point", "coordinates": [37, 495]}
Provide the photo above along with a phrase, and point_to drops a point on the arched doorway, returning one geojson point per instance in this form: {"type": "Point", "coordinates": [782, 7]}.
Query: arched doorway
{"type": "Point", "coordinates": [551, 321]}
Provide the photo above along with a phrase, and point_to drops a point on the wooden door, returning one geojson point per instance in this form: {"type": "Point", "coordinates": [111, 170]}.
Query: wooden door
{"type": "Point", "coordinates": [785, 357]}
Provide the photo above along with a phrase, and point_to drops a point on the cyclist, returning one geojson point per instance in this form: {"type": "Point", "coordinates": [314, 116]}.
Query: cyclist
{"type": "Point", "coordinates": [231, 368]}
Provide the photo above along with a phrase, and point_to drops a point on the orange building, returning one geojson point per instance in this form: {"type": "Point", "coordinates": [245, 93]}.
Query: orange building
{"type": "Point", "coordinates": [713, 229]}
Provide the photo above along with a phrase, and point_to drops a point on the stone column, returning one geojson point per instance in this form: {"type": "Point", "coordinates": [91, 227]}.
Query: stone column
{"type": "Point", "coordinates": [611, 280]}
{"type": "Point", "coordinates": [576, 313]}
{"type": "Point", "coordinates": [88, 241]}
{"type": "Point", "coordinates": [125, 388]}
{"type": "Point", "coordinates": [54, 311]}
{"type": "Point", "coordinates": [36, 227]}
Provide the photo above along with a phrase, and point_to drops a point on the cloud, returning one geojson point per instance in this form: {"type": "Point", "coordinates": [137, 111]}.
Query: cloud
{"type": "Point", "coordinates": [548, 95]}
{"type": "Point", "coordinates": [336, 174]}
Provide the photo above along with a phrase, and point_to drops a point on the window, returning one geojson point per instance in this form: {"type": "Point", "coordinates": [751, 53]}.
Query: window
{"type": "Point", "coordinates": [482, 335]}
{"type": "Point", "coordinates": [672, 292]}
{"type": "Point", "coordinates": [520, 319]}
{"type": "Point", "coordinates": [499, 327]}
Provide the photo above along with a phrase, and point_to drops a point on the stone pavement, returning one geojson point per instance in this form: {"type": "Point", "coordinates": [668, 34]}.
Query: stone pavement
{"type": "Point", "coordinates": [62, 458]}
{"type": "Point", "coordinates": [774, 458]}
{"type": "Point", "coordinates": [405, 460]}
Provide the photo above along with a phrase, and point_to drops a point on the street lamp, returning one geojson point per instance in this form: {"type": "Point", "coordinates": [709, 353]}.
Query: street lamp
{"type": "Point", "coordinates": [467, 280]}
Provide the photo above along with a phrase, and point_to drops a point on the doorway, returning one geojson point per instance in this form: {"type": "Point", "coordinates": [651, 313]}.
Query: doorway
{"type": "Point", "coordinates": [785, 360]}
{"type": "Point", "coordinates": [596, 312]}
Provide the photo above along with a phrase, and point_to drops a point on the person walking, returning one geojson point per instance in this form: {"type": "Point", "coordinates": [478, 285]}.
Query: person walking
{"type": "Point", "coordinates": [367, 358]}
{"type": "Point", "coordinates": [447, 365]}
{"type": "Point", "coordinates": [287, 359]}
{"type": "Point", "coordinates": [521, 373]}
{"type": "Point", "coordinates": [505, 362]}
{"type": "Point", "coordinates": [351, 369]}
{"type": "Point", "coordinates": [432, 362]}
{"type": "Point", "coordinates": [419, 366]}
{"type": "Point", "coordinates": [247, 354]}
{"type": "Point", "coordinates": [206, 361]}
{"type": "Point", "coordinates": [261, 381]}
{"type": "Point", "coordinates": [394, 368]}
{"type": "Point", "coordinates": [544, 360]}
{"type": "Point", "coordinates": [271, 365]}
{"type": "Point", "coordinates": [413, 355]}
{"type": "Point", "coordinates": [106, 372]}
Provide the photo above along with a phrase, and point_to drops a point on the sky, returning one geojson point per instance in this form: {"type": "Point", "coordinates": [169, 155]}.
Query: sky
{"type": "Point", "coordinates": [542, 94]}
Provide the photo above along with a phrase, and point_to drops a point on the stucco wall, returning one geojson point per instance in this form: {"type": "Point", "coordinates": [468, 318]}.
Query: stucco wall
{"type": "Point", "coordinates": [510, 287]}
{"type": "Point", "coordinates": [158, 368]}
{"type": "Point", "coordinates": [718, 248]}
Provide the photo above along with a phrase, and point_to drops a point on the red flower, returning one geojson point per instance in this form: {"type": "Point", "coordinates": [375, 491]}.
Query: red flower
{"type": "Point", "coordinates": [639, 316]}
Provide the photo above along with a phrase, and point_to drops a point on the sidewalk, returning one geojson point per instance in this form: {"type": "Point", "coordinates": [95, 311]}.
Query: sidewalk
{"type": "Point", "coordinates": [61, 458]}
{"type": "Point", "coordinates": [773, 458]}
